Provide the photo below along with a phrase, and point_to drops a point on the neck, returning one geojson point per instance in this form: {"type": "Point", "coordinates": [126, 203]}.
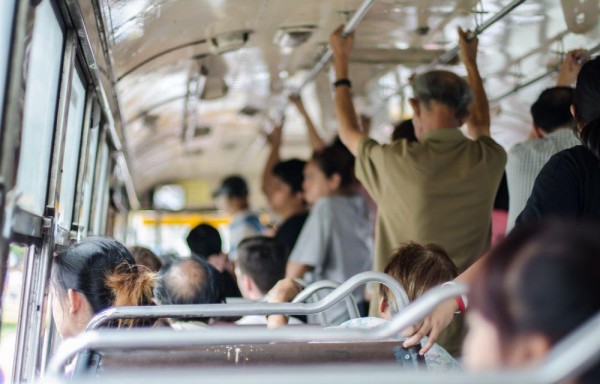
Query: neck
{"type": "Point", "coordinates": [287, 212]}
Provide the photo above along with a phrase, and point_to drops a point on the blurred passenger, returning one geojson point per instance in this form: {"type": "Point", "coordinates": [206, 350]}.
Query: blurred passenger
{"type": "Point", "coordinates": [205, 243]}
{"type": "Point", "coordinates": [442, 188]}
{"type": "Point", "coordinates": [145, 257]}
{"type": "Point", "coordinates": [91, 276]}
{"type": "Point", "coordinates": [533, 290]}
{"type": "Point", "coordinates": [192, 281]}
{"type": "Point", "coordinates": [232, 198]}
{"type": "Point", "coordinates": [335, 243]}
{"type": "Point", "coordinates": [260, 265]}
{"type": "Point", "coordinates": [282, 185]}
{"type": "Point", "coordinates": [569, 184]}
{"type": "Point", "coordinates": [553, 127]}
{"type": "Point", "coordinates": [405, 130]}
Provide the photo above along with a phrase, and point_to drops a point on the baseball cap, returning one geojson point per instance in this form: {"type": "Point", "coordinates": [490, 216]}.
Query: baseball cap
{"type": "Point", "coordinates": [232, 186]}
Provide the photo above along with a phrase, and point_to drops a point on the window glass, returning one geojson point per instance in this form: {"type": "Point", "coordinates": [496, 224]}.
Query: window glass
{"type": "Point", "coordinates": [41, 97]}
{"type": "Point", "coordinates": [11, 302]}
{"type": "Point", "coordinates": [88, 182]}
{"type": "Point", "coordinates": [7, 8]}
{"type": "Point", "coordinates": [72, 150]}
{"type": "Point", "coordinates": [100, 189]}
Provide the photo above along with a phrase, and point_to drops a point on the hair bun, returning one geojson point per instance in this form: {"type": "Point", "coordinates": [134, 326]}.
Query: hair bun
{"type": "Point", "coordinates": [131, 285]}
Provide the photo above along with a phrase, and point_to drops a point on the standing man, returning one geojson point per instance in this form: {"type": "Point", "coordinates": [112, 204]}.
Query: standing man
{"type": "Point", "coordinates": [232, 198]}
{"type": "Point", "coordinates": [553, 129]}
{"type": "Point", "coordinates": [442, 188]}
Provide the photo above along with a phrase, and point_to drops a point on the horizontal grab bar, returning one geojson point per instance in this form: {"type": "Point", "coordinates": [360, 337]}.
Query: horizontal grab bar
{"type": "Point", "coordinates": [223, 310]}
{"type": "Point", "coordinates": [159, 338]}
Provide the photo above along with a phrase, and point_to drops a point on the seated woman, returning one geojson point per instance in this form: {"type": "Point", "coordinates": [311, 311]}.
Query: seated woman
{"type": "Point", "coordinates": [335, 242]}
{"type": "Point", "coordinates": [535, 288]}
{"type": "Point", "coordinates": [418, 268]}
{"type": "Point", "coordinates": [93, 275]}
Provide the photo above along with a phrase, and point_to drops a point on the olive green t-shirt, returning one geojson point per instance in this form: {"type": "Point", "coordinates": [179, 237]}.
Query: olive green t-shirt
{"type": "Point", "coordinates": [440, 190]}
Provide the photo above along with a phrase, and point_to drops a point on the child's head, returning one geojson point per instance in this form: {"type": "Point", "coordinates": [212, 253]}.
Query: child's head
{"type": "Point", "coordinates": [418, 268]}
{"type": "Point", "coordinates": [261, 263]}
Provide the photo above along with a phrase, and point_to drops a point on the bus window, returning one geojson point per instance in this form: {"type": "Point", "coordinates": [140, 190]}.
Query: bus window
{"type": "Point", "coordinates": [88, 181]}
{"type": "Point", "coordinates": [10, 308]}
{"type": "Point", "coordinates": [7, 8]}
{"type": "Point", "coordinates": [71, 155]}
{"type": "Point", "coordinates": [100, 189]}
{"type": "Point", "coordinates": [43, 79]}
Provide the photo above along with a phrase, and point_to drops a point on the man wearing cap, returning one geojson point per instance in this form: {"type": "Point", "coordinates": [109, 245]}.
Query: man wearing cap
{"type": "Point", "coordinates": [232, 198]}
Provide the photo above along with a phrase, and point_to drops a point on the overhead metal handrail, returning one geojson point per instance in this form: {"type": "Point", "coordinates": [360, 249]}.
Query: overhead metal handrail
{"type": "Point", "coordinates": [349, 27]}
{"type": "Point", "coordinates": [315, 287]}
{"type": "Point", "coordinates": [526, 84]}
{"type": "Point", "coordinates": [167, 338]}
{"type": "Point", "coordinates": [224, 310]}
{"type": "Point", "coordinates": [451, 54]}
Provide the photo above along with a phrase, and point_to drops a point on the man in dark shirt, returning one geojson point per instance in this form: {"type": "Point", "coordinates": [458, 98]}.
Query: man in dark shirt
{"type": "Point", "coordinates": [282, 185]}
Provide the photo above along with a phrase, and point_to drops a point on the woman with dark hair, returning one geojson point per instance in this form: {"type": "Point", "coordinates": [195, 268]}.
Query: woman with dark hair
{"type": "Point", "coordinates": [569, 184]}
{"type": "Point", "coordinates": [93, 275]}
{"type": "Point", "coordinates": [335, 242]}
{"type": "Point", "coordinates": [536, 287]}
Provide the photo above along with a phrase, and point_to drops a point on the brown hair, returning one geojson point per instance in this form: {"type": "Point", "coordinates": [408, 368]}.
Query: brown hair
{"type": "Point", "coordinates": [147, 258]}
{"type": "Point", "coordinates": [131, 287]}
{"type": "Point", "coordinates": [418, 268]}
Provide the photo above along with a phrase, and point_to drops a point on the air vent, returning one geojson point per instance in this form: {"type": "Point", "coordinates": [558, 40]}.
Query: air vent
{"type": "Point", "coordinates": [249, 110]}
{"type": "Point", "coordinates": [201, 131]}
{"type": "Point", "coordinates": [230, 41]}
{"type": "Point", "coordinates": [292, 37]}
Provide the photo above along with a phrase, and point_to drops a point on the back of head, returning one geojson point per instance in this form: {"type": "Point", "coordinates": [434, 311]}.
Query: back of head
{"type": "Point", "coordinates": [587, 105]}
{"type": "Point", "coordinates": [404, 130]}
{"type": "Point", "coordinates": [145, 257]}
{"type": "Point", "coordinates": [104, 271]}
{"type": "Point", "coordinates": [336, 159]}
{"type": "Point", "coordinates": [418, 268]}
{"type": "Point", "coordinates": [263, 259]}
{"type": "Point", "coordinates": [552, 109]}
{"type": "Point", "coordinates": [291, 172]}
{"type": "Point", "coordinates": [204, 241]}
{"type": "Point", "coordinates": [446, 88]}
{"type": "Point", "coordinates": [540, 280]}
{"type": "Point", "coordinates": [234, 186]}
{"type": "Point", "coordinates": [192, 281]}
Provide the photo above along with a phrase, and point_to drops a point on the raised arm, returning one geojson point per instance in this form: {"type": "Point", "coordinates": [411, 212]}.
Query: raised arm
{"type": "Point", "coordinates": [350, 132]}
{"type": "Point", "coordinates": [570, 68]}
{"type": "Point", "coordinates": [316, 142]}
{"type": "Point", "coordinates": [274, 141]}
{"type": "Point", "coordinates": [478, 122]}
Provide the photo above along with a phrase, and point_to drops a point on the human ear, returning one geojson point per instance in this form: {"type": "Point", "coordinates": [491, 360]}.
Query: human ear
{"type": "Point", "coordinates": [383, 306]}
{"type": "Point", "coordinates": [415, 106]}
{"type": "Point", "coordinates": [75, 301]}
{"type": "Point", "coordinates": [335, 181]}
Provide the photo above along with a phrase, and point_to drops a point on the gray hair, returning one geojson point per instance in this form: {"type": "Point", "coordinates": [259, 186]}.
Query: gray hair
{"type": "Point", "coordinates": [444, 87]}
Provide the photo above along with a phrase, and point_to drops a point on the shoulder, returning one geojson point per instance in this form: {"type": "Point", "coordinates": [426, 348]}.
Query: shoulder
{"type": "Point", "coordinates": [577, 156]}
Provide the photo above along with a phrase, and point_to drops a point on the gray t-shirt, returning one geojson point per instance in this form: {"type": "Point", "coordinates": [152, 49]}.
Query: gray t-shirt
{"type": "Point", "coordinates": [336, 241]}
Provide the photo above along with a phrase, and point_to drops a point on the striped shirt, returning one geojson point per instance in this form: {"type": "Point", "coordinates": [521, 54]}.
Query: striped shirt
{"type": "Point", "coordinates": [525, 161]}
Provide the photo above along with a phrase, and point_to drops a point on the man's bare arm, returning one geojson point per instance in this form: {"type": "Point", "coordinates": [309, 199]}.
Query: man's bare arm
{"type": "Point", "coordinates": [478, 123]}
{"type": "Point", "coordinates": [349, 126]}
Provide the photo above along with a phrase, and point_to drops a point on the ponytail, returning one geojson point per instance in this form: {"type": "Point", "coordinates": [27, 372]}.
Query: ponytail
{"type": "Point", "coordinates": [131, 285]}
{"type": "Point", "coordinates": [590, 137]}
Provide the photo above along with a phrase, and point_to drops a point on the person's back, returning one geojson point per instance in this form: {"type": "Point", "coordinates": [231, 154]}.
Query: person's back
{"type": "Point", "coordinates": [568, 186]}
{"type": "Point", "coordinates": [553, 122]}
{"type": "Point", "coordinates": [440, 190]}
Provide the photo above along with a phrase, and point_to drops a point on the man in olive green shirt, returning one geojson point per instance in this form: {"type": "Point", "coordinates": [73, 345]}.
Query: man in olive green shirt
{"type": "Point", "coordinates": [442, 188]}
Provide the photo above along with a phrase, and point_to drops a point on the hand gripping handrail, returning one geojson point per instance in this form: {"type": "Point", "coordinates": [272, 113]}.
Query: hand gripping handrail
{"type": "Point", "coordinates": [167, 338]}
{"type": "Point", "coordinates": [245, 309]}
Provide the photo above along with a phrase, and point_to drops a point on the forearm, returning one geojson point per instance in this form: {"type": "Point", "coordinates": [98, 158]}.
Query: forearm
{"type": "Point", "coordinates": [478, 122]}
{"type": "Point", "coordinates": [296, 270]}
{"type": "Point", "coordinates": [272, 160]}
{"type": "Point", "coordinates": [349, 127]}
{"type": "Point", "coordinates": [469, 275]}
{"type": "Point", "coordinates": [316, 141]}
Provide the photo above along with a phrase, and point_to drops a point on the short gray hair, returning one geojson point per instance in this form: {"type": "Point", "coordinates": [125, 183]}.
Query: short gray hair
{"type": "Point", "coordinates": [444, 87]}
